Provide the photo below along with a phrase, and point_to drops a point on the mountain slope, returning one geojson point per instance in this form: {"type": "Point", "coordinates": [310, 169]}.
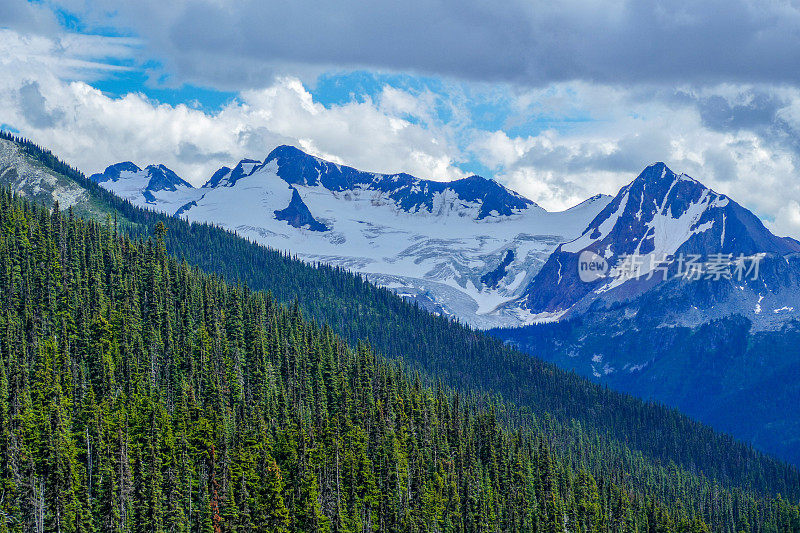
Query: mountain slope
{"type": "Point", "coordinates": [31, 177]}
{"type": "Point", "coordinates": [658, 219]}
{"type": "Point", "coordinates": [434, 242]}
{"type": "Point", "coordinates": [639, 436]}
{"type": "Point", "coordinates": [719, 342]}
{"type": "Point", "coordinates": [149, 395]}
{"type": "Point", "coordinates": [725, 373]}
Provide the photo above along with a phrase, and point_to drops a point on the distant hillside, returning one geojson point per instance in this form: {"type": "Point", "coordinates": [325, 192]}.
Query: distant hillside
{"type": "Point", "coordinates": [699, 309]}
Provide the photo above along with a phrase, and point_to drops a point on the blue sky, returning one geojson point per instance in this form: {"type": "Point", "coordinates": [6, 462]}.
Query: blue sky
{"type": "Point", "coordinates": [483, 107]}
{"type": "Point", "coordinates": [136, 80]}
{"type": "Point", "coordinates": [558, 101]}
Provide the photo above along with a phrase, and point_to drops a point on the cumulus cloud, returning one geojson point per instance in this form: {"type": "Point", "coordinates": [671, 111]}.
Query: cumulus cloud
{"type": "Point", "coordinates": [625, 131]}
{"type": "Point", "coordinates": [241, 44]}
{"type": "Point", "coordinates": [92, 130]}
{"type": "Point", "coordinates": [787, 220]}
{"type": "Point", "coordinates": [588, 138]}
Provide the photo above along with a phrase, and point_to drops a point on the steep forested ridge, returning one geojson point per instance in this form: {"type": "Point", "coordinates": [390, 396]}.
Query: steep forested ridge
{"type": "Point", "coordinates": [613, 437]}
{"type": "Point", "coordinates": [462, 358]}
{"type": "Point", "coordinates": [138, 394]}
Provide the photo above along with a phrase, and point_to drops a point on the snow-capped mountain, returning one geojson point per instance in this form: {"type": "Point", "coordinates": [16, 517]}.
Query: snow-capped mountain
{"type": "Point", "coordinates": [153, 186]}
{"type": "Point", "coordinates": [676, 293]}
{"type": "Point", "coordinates": [668, 227]}
{"type": "Point", "coordinates": [467, 248]}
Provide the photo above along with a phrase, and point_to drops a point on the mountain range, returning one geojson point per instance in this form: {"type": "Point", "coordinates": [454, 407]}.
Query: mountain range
{"type": "Point", "coordinates": [655, 469]}
{"type": "Point", "coordinates": [476, 251]}
{"type": "Point", "coordinates": [473, 250]}
{"type": "Point", "coordinates": [185, 399]}
{"type": "Point", "coordinates": [723, 350]}
{"type": "Point", "coordinates": [655, 226]}
{"type": "Point", "coordinates": [695, 303]}
{"type": "Point", "coordinates": [466, 248]}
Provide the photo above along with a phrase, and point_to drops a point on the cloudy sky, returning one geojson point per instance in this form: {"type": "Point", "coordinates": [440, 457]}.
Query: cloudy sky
{"type": "Point", "coordinates": [557, 100]}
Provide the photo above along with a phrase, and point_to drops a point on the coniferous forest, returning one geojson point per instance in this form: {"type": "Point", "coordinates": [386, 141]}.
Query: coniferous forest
{"type": "Point", "coordinates": [441, 348]}
{"type": "Point", "coordinates": [138, 393]}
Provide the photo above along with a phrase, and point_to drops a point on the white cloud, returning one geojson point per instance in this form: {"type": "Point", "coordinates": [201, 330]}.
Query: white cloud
{"type": "Point", "coordinates": [91, 130]}
{"type": "Point", "coordinates": [28, 16]}
{"type": "Point", "coordinates": [67, 56]}
{"type": "Point", "coordinates": [787, 220]}
{"type": "Point", "coordinates": [496, 149]}
{"type": "Point", "coordinates": [605, 134]}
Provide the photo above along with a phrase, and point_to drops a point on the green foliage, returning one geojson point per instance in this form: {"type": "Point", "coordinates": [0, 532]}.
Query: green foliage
{"type": "Point", "coordinates": [138, 394]}
{"type": "Point", "coordinates": [447, 351]}
{"type": "Point", "coordinates": [650, 465]}
{"type": "Point", "coordinates": [444, 350]}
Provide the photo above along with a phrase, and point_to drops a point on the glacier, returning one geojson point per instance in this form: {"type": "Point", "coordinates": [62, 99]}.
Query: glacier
{"type": "Point", "coordinates": [432, 242]}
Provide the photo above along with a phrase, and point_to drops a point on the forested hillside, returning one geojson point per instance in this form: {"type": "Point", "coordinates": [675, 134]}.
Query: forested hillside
{"type": "Point", "coordinates": [612, 436]}
{"type": "Point", "coordinates": [139, 394]}
{"type": "Point", "coordinates": [726, 359]}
